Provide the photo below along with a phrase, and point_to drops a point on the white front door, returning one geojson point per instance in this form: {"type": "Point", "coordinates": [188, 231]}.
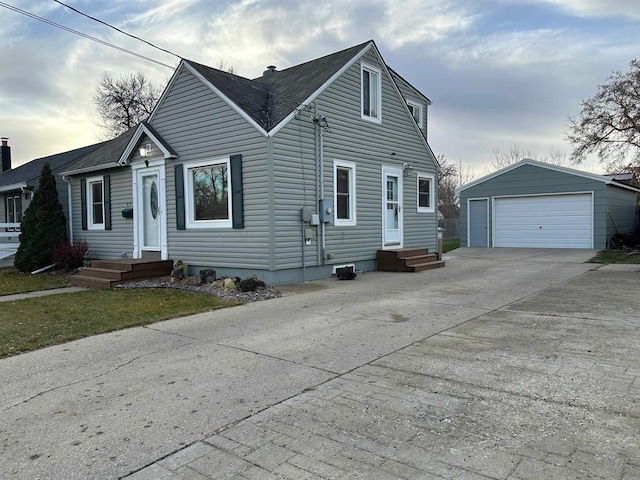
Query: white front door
{"type": "Point", "coordinates": [391, 207]}
{"type": "Point", "coordinates": [150, 238]}
{"type": "Point", "coordinates": [150, 220]}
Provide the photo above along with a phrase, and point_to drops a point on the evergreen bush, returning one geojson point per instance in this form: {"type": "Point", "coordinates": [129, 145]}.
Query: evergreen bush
{"type": "Point", "coordinates": [43, 227]}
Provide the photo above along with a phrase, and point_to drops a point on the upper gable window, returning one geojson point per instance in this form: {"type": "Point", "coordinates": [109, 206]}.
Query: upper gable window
{"type": "Point", "coordinates": [371, 93]}
{"type": "Point", "coordinates": [416, 111]}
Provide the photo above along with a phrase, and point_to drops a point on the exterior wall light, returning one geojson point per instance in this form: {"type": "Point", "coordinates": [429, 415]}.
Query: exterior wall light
{"type": "Point", "coordinates": [145, 150]}
{"type": "Point", "coordinates": [407, 168]}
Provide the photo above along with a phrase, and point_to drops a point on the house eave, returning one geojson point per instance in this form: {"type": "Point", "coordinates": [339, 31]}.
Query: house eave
{"type": "Point", "coordinates": [13, 186]}
{"type": "Point", "coordinates": [94, 168]}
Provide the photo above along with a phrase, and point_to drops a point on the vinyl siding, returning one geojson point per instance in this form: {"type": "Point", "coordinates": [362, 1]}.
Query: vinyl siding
{"type": "Point", "coordinates": [200, 126]}
{"type": "Point", "coordinates": [104, 244]}
{"type": "Point", "coordinates": [370, 146]}
{"type": "Point", "coordinates": [534, 180]}
{"type": "Point", "coordinates": [622, 216]}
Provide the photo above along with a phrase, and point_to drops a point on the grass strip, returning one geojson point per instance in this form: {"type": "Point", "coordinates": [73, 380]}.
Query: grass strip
{"type": "Point", "coordinates": [448, 245]}
{"type": "Point", "coordinates": [35, 323]}
{"type": "Point", "coordinates": [13, 281]}
{"type": "Point", "coordinates": [615, 256]}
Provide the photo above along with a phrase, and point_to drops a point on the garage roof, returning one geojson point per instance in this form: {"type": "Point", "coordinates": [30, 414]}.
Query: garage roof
{"type": "Point", "coordinates": [570, 171]}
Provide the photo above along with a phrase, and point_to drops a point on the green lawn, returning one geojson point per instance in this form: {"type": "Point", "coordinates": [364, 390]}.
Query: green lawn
{"type": "Point", "coordinates": [39, 322]}
{"type": "Point", "coordinates": [12, 281]}
{"type": "Point", "coordinates": [615, 256]}
{"type": "Point", "coordinates": [448, 245]}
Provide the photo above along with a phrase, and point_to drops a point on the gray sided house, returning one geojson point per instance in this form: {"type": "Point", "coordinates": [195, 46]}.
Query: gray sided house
{"type": "Point", "coordinates": [535, 204]}
{"type": "Point", "coordinates": [17, 186]}
{"type": "Point", "coordinates": [286, 176]}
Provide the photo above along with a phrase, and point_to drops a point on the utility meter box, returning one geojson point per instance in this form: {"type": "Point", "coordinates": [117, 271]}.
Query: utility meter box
{"type": "Point", "coordinates": [326, 211]}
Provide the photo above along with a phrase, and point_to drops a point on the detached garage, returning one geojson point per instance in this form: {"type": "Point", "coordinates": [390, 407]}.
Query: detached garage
{"type": "Point", "coordinates": [532, 204]}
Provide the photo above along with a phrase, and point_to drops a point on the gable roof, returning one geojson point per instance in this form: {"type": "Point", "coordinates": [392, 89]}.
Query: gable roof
{"type": "Point", "coordinates": [527, 161]}
{"type": "Point", "coordinates": [28, 174]}
{"type": "Point", "coordinates": [269, 99]}
{"type": "Point", "coordinates": [150, 132]}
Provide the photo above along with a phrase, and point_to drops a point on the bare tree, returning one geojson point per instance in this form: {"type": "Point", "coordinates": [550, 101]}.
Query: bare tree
{"type": "Point", "coordinates": [450, 177]}
{"type": "Point", "coordinates": [125, 101]}
{"type": "Point", "coordinates": [609, 123]}
{"type": "Point", "coordinates": [503, 158]}
{"type": "Point", "coordinates": [225, 67]}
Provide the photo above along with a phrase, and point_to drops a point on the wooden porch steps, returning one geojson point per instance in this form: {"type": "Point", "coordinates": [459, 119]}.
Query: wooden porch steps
{"type": "Point", "coordinates": [407, 260]}
{"type": "Point", "coordinates": [106, 273]}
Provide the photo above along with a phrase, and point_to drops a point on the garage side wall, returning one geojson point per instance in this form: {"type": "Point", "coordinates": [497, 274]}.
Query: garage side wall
{"type": "Point", "coordinates": [622, 215]}
{"type": "Point", "coordinates": [533, 180]}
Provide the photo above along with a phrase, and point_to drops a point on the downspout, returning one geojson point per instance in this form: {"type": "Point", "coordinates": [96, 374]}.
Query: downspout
{"type": "Point", "coordinates": [319, 122]}
{"type": "Point", "coordinates": [70, 214]}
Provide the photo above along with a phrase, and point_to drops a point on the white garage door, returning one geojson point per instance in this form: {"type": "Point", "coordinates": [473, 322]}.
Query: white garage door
{"type": "Point", "coordinates": [546, 221]}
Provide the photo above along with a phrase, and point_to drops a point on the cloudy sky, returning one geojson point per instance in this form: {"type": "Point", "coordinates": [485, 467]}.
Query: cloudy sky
{"type": "Point", "coordinates": [499, 72]}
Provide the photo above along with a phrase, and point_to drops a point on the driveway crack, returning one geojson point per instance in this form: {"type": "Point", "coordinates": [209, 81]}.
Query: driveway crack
{"type": "Point", "coordinates": [76, 382]}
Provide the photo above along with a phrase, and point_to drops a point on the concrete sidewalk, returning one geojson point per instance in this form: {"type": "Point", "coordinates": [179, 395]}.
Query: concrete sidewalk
{"type": "Point", "coordinates": [509, 364]}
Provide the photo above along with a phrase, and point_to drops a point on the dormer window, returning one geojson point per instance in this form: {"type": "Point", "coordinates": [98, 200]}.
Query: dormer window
{"type": "Point", "coordinates": [416, 111]}
{"type": "Point", "coordinates": [371, 93]}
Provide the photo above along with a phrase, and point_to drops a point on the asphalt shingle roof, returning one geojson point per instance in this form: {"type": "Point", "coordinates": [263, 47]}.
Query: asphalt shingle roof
{"type": "Point", "coordinates": [29, 172]}
{"type": "Point", "coordinates": [269, 99]}
{"type": "Point", "coordinates": [108, 153]}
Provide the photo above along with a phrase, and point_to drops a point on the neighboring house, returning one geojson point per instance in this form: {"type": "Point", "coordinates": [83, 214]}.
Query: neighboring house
{"type": "Point", "coordinates": [536, 204]}
{"type": "Point", "coordinates": [17, 186]}
{"type": "Point", "coordinates": [285, 176]}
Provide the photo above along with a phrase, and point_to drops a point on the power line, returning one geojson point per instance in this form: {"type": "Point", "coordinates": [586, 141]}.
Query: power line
{"type": "Point", "coordinates": [84, 35]}
{"type": "Point", "coordinates": [116, 28]}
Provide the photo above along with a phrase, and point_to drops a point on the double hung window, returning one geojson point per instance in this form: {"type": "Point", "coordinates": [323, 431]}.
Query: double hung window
{"type": "Point", "coordinates": [371, 93]}
{"type": "Point", "coordinates": [344, 180]}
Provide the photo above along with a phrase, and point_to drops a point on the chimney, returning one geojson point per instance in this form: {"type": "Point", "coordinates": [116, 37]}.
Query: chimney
{"type": "Point", "coordinates": [6, 155]}
{"type": "Point", "coordinates": [271, 69]}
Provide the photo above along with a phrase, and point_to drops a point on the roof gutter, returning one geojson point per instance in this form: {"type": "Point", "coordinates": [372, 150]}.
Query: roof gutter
{"type": "Point", "coordinates": [13, 186]}
{"type": "Point", "coordinates": [94, 168]}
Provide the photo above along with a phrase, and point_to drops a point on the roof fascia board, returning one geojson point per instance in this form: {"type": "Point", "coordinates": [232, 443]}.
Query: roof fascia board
{"type": "Point", "coordinates": [548, 166]}
{"type": "Point", "coordinates": [135, 138]}
{"type": "Point", "coordinates": [226, 99]}
{"type": "Point", "coordinates": [95, 168]}
{"type": "Point", "coordinates": [321, 89]}
{"type": "Point", "coordinates": [13, 186]}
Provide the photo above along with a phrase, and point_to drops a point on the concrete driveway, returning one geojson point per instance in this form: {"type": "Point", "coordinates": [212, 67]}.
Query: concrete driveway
{"type": "Point", "coordinates": [506, 364]}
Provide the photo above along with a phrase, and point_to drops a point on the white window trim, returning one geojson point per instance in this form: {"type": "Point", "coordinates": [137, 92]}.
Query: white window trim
{"type": "Point", "coordinates": [370, 68]}
{"type": "Point", "coordinates": [432, 202]}
{"type": "Point", "coordinates": [14, 211]}
{"type": "Point", "coordinates": [91, 225]}
{"type": "Point", "coordinates": [416, 104]}
{"type": "Point", "coordinates": [190, 221]}
{"type": "Point", "coordinates": [352, 220]}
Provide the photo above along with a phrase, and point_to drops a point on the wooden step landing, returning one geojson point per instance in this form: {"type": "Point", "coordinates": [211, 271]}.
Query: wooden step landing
{"type": "Point", "coordinates": [407, 260]}
{"type": "Point", "coordinates": [107, 273]}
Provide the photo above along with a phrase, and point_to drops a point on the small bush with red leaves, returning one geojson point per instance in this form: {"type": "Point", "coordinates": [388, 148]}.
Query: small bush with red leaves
{"type": "Point", "coordinates": [70, 256]}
